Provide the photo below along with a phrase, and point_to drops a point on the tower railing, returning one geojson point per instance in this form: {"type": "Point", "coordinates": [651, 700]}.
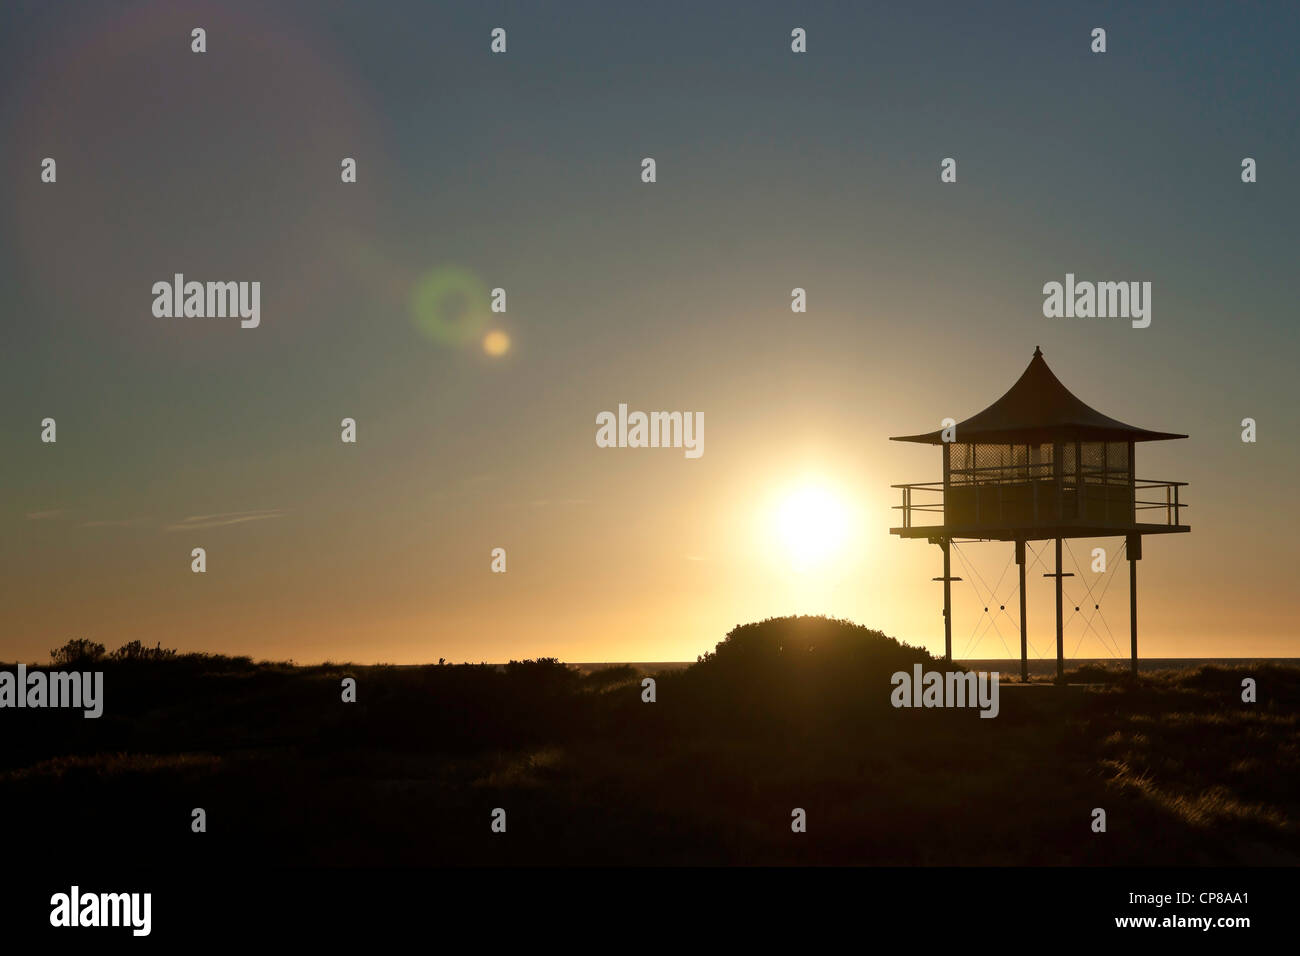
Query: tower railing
{"type": "Point", "coordinates": [1086, 496]}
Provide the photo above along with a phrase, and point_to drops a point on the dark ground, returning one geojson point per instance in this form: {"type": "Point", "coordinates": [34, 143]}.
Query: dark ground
{"type": "Point", "coordinates": [788, 713]}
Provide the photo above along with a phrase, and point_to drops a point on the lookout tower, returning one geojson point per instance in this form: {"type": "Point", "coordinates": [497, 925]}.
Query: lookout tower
{"type": "Point", "coordinates": [1039, 465]}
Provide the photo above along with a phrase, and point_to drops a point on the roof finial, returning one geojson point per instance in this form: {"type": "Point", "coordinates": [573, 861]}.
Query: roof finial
{"type": "Point", "coordinates": [1038, 353]}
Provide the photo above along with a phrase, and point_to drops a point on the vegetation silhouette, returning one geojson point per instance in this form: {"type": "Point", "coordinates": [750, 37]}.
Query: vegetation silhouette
{"type": "Point", "coordinates": [784, 713]}
{"type": "Point", "coordinates": [795, 673]}
{"type": "Point", "coordinates": [78, 652]}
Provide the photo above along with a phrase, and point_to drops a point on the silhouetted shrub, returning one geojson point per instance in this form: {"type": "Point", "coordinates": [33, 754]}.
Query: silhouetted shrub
{"type": "Point", "coordinates": [1096, 674]}
{"type": "Point", "coordinates": [136, 651]}
{"type": "Point", "coordinates": [798, 671]}
{"type": "Point", "coordinates": [77, 652]}
{"type": "Point", "coordinates": [782, 645]}
{"type": "Point", "coordinates": [608, 677]}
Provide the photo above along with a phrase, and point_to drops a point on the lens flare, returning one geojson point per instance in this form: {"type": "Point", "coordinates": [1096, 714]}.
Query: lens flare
{"type": "Point", "coordinates": [450, 306]}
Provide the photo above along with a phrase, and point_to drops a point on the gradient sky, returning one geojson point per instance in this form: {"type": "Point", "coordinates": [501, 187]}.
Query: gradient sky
{"type": "Point", "coordinates": [774, 171]}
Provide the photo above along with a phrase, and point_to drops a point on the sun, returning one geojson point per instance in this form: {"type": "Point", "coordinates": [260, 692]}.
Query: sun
{"type": "Point", "coordinates": [811, 525]}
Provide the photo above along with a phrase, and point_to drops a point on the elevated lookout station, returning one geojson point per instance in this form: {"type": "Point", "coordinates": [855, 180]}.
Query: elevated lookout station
{"type": "Point", "coordinates": [1039, 464]}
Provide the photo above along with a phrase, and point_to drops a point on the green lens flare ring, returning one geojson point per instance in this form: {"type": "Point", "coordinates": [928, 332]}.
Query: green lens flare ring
{"type": "Point", "coordinates": [450, 306]}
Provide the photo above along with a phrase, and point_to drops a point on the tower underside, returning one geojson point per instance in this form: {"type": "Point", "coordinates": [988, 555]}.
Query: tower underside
{"type": "Point", "coordinates": [945, 537]}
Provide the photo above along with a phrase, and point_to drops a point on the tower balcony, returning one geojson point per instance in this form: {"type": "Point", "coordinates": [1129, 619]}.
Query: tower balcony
{"type": "Point", "coordinates": [1037, 504]}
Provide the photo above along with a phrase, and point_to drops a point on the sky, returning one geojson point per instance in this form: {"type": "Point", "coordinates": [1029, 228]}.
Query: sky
{"type": "Point", "coordinates": [523, 171]}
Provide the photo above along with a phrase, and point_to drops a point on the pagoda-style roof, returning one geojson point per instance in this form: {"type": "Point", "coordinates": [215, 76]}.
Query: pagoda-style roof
{"type": "Point", "coordinates": [1038, 408]}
